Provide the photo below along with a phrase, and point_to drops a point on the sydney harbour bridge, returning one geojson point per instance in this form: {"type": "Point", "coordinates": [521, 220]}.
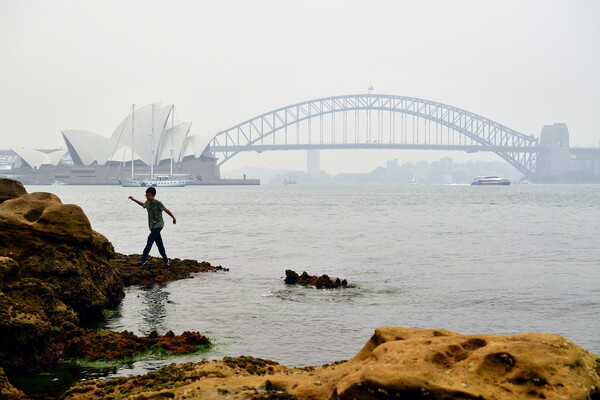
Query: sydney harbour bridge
{"type": "Point", "coordinates": [380, 121]}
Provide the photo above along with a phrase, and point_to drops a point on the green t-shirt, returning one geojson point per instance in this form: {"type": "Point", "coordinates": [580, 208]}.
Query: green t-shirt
{"type": "Point", "coordinates": [155, 209]}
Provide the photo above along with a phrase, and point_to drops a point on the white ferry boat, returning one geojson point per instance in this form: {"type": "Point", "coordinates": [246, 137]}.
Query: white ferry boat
{"type": "Point", "coordinates": [490, 180]}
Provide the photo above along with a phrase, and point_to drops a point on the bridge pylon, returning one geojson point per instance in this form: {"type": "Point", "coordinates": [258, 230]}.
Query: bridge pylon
{"type": "Point", "coordinates": [554, 160]}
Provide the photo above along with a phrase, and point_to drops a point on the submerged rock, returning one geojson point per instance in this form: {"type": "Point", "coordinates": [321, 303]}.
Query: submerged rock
{"type": "Point", "coordinates": [320, 282]}
{"type": "Point", "coordinates": [395, 363]}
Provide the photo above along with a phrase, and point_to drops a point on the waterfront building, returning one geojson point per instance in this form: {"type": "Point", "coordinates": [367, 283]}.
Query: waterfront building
{"type": "Point", "coordinates": [149, 141]}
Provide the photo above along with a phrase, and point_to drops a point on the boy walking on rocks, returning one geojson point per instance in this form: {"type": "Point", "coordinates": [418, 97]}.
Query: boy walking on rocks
{"type": "Point", "coordinates": [155, 223]}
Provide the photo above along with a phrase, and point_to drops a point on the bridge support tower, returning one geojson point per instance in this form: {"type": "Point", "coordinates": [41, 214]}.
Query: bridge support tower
{"type": "Point", "coordinates": [554, 157]}
{"type": "Point", "coordinates": [313, 164]}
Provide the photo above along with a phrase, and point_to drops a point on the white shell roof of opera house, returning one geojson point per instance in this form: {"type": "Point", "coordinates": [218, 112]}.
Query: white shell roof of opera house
{"type": "Point", "coordinates": [150, 134]}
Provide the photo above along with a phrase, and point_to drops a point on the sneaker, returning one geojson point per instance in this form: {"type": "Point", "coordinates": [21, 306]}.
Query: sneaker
{"type": "Point", "coordinates": [166, 263]}
{"type": "Point", "coordinates": [143, 261]}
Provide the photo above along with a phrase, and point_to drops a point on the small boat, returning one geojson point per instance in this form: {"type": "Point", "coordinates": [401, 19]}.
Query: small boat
{"type": "Point", "coordinates": [58, 183]}
{"type": "Point", "coordinates": [490, 180]}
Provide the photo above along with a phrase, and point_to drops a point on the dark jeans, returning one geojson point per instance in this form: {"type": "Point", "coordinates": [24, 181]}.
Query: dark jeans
{"type": "Point", "coordinates": [154, 236]}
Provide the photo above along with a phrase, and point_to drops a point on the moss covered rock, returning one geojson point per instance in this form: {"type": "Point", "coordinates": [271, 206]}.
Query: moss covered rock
{"type": "Point", "coordinates": [54, 271]}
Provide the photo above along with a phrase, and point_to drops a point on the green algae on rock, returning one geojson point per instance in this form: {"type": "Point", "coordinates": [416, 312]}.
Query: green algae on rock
{"type": "Point", "coordinates": [108, 345]}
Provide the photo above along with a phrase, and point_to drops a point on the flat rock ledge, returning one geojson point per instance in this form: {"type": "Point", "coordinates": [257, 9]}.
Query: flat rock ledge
{"type": "Point", "coordinates": [154, 273]}
{"type": "Point", "coordinates": [320, 282]}
{"type": "Point", "coordinates": [396, 363]}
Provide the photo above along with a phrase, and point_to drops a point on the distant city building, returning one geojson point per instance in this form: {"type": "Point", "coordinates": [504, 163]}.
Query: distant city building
{"type": "Point", "coordinates": [392, 165]}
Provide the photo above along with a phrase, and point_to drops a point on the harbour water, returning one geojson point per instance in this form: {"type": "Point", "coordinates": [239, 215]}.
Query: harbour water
{"type": "Point", "coordinates": [503, 259]}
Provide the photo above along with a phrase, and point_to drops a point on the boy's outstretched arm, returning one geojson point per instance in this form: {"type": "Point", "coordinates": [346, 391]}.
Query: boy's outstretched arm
{"type": "Point", "coordinates": [171, 215]}
{"type": "Point", "coordinates": [136, 200]}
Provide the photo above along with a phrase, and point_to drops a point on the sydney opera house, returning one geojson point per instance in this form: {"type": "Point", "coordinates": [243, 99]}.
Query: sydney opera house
{"type": "Point", "coordinates": [148, 141]}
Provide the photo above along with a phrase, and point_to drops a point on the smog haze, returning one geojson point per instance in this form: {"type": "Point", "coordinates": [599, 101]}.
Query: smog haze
{"type": "Point", "coordinates": [70, 64]}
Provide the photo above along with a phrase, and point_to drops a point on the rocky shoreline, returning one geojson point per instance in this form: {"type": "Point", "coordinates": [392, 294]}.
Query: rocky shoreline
{"type": "Point", "coordinates": [57, 275]}
{"type": "Point", "coordinates": [396, 363]}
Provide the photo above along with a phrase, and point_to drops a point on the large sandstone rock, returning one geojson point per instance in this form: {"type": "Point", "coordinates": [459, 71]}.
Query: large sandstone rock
{"type": "Point", "coordinates": [45, 215]}
{"type": "Point", "coordinates": [396, 363]}
{"type": "Point", "coordinates": [441, 364]}
{"type": "Point", "coordinates": [54, 274]}
{"type": "Point", "coordinates": [10, 189]}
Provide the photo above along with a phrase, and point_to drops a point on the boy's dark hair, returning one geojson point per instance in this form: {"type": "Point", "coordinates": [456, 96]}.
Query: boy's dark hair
{"type": "Point", "coordinates": [151, 190]}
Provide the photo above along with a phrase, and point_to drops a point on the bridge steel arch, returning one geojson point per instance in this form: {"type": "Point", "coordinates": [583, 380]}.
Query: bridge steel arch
{"type": "Point", "coordinates": [453, 129]}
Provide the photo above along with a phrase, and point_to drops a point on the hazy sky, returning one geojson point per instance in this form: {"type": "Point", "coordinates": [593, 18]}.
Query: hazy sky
{"type": "Point", "coordinates": [72, 64]}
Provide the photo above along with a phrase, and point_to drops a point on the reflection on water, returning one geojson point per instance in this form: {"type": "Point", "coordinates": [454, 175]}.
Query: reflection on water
{"type": "Point", "coordinates": [154, 311]}
{"type": "Point", "coordinates": [310, 294]}
{"type": "Point", "coordinates": [54, 382]}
